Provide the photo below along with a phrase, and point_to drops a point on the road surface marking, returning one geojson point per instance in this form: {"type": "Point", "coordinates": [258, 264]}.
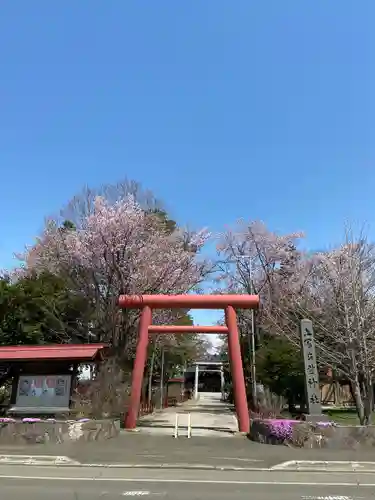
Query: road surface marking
{"type": "Point", "coordinates": [37, 460]}
{"type": "Point", "coordinates": [355, 484]}
{"type": "Point", "coordinates": [136, 493]}
{"type": "Point", "coordinates": [330, 497]}
{"type": "Point", "coordinates": [284, 465]}
{"type": "Point", "coordinates": [293, 464]}
{"type": "Point", "coordinates": [239, 459]}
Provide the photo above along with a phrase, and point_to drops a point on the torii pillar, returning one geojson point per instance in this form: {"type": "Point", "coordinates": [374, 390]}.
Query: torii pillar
{"type": "Point", "coordinates": [227, 302]}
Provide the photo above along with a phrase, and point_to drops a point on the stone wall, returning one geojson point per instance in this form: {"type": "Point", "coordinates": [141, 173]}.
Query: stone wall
{"type": "Point", "coordinates": [19, 432]}
{"type": "Point", "coordinates": [319, 435]}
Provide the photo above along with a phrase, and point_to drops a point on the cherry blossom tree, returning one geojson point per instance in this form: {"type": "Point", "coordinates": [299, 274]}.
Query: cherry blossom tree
{"type": "Point", "coordinates": [119, 247]}
{"type": "Point", "coordinates": [344, 293]}
{"type": "Point", "coordinates": [335, 289]}
{"type": "Point", "coordinates": [254, 259]}
{"type": "Point", "coordinates": [338, 294]}
{"type": "Point", "coordinates": [82, 205]}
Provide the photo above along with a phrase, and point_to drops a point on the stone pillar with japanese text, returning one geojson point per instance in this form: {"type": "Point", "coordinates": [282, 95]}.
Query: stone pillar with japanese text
{"type": "Point", "coordinates": [312, 389]}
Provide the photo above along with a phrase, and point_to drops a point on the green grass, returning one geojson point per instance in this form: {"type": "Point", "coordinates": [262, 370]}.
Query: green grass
{"type": "Point", "coordinates": [343, 416]}
{"type": "Point", "coordinates": [348, 416]}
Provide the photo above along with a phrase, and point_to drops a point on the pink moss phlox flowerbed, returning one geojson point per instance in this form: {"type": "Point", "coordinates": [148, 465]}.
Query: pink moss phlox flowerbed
{"type": "Point", "coordinates": [283, 428]}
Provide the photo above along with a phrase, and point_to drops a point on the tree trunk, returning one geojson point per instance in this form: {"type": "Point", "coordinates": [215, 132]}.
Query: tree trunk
{"type": "Point", "coordinates": [368, 401]}
{"type": "Point", "coordinates": [358, 401]}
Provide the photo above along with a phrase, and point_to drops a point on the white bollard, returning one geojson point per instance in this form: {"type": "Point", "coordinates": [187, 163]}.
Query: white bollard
{"type": "Point", "coordinates": [189, 426]}
{"type": "Point", "coordinates": [176, 432]}
{"type": "Point", "coordinates": [176, 427]}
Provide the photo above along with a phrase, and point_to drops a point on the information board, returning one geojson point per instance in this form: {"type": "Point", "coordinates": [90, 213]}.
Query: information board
{"type": "Point", "coordinates": [43, 391]}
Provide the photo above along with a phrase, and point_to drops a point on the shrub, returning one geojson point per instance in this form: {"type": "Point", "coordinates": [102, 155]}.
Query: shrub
{"type": "Point", "coordinates": [268, 405]}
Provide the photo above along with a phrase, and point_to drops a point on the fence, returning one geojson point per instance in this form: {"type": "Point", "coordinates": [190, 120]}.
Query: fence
{"type": "Point", "coordinates": [147, 408]}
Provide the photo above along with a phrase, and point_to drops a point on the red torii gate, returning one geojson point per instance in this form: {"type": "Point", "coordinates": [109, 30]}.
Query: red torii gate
{"type": "Point", "coordinates": [227, 302]}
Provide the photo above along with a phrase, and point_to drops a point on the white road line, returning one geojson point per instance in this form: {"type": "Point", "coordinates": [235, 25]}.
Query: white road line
{"type": "Point", "coordinates": [306, 463]}
{"type": "Point", "coordinates": [36, 460]}
{"type": "Point", "coordinates": [136, 493]}
{"type": "Point", "coordinates": [239, 459]}
{"type": "Point", "coordinates": [284, 465]}
{"type": "Point", "coordinates": [191, 481]}
{"type": "Point", "coordinates": [330, 497]}
{"type": "Point", "coordinates": [41, 457]}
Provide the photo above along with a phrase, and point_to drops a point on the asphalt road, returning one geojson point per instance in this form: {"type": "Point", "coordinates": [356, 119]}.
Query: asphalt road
{"type": "Point", "coordinates": [83, 483]}
{"type": "Point", "coordinates": [137, 449]}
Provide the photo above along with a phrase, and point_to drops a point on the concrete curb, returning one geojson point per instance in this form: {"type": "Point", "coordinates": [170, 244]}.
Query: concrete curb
{"type": "Point", "coordinates": [37, 460]}
{"type": "Point", "coordinates": [172, 467]}
{"type": "Point", "coordinates": [325, 466]}
{"type": "Point", "coordinates": [69, 463]}
{"type": "Point", "coordinates": [289, 466]}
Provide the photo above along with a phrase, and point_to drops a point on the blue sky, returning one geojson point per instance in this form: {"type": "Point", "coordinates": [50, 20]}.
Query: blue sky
{"type": "Point", "coordinates": [224, 109]}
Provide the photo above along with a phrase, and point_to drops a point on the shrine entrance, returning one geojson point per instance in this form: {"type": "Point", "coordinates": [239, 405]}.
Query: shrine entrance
{"type": "Point", "coordinates": [227, 302]}
{"type": "Point", "coordinates": [205, 376]}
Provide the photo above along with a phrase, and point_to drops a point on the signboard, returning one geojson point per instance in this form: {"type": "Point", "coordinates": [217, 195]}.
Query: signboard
{"type": "Point", "coordinates": [311, 370]}
{"type": "Point", "coordinates": [43, 391]}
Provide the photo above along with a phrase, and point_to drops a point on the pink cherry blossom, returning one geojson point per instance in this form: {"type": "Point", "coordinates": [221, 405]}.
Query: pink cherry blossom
{"type": "Point", "coordinates": [120, 248]}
